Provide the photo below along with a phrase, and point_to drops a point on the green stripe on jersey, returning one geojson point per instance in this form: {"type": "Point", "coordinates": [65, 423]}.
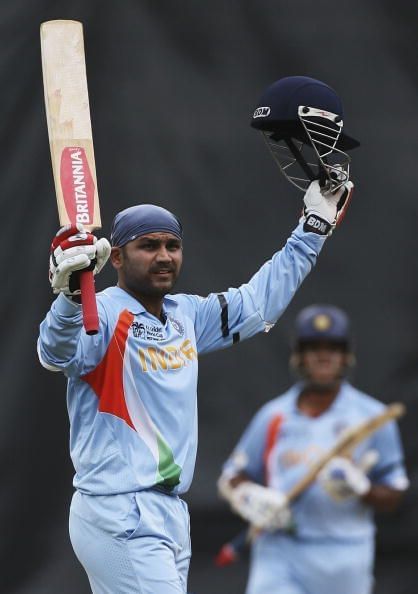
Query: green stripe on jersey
{"type": "Point", "coordinates": [168, 473]}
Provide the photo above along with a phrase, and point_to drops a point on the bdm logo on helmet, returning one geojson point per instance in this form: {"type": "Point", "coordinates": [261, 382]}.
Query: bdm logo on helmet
{"type": "Point", "coordinates": [261, 112]}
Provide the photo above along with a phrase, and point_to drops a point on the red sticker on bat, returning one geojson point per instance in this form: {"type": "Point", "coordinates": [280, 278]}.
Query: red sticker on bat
{"type": "Point", "coordinates": [77, 185]}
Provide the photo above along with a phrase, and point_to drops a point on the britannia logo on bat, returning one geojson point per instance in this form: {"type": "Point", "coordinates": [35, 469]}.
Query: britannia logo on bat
{"type": "Point", "coordinates": [77, 185]}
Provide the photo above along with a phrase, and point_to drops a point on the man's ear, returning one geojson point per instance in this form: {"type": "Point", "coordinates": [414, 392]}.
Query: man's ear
{"type": "Point", "coordinates": [116, 257]}
{"type": "Point", "coordinates": [350, 360]}
{"type": "Point", "coordinates": [295, 361]}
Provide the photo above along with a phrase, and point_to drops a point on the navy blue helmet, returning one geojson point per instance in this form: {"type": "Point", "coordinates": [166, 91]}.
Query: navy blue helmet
{"type": "Point", "coordinates": [277, 109]}
{"type": "Point", "coordinates": [301, 119]}
{"type": "Point", "coordinates": [322, 323]}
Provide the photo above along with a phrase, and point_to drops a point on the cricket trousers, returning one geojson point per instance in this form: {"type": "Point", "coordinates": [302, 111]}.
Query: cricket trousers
{"type": "Point", "coordinates": [282, 564]}
{"type": "Point", "coordinates": [132, 543]}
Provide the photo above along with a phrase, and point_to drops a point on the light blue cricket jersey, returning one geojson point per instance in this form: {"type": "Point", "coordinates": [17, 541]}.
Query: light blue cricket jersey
{"type": "Point", "coordinates": [279, 444]}
{"type": "Point", "coordinates": [132, 388]}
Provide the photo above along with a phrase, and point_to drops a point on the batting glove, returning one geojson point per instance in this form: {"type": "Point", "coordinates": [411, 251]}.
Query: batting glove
{"type": "Point", "coordinates": [262, 507]}
{"type": "Point", "coordinates": [74, 249]}
{"type": "Point", "coordinates": [324, 210]}
{"type": "Point", "coordinates": [342, 479]}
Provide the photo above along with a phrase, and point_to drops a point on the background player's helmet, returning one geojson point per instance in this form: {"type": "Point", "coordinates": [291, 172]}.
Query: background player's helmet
{"type": "Point", "coordinates": [318, 323]}
{"type": "Point", "coordinates": [301, 119]}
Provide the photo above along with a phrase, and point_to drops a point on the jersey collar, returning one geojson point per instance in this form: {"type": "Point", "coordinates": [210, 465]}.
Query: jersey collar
{"type": "Point", "coordinates": [338, 404]}
{"type": "Point", "coordinates": [132, 304]}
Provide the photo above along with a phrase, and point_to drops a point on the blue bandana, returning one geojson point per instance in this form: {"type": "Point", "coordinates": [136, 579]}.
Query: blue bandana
{"type": "Point", "coordinates": [140, 220]}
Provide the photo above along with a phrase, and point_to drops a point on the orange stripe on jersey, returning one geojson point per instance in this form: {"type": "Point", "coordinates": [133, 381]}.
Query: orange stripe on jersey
{"type": "Point", "coordinates": [107, 378]}
{"type": "Point", "coordinates": [273, 430]}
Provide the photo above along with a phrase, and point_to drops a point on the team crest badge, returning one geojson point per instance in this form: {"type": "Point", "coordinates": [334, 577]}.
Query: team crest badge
{"type": "Point", "coordinates": [178, 326]}
{"type": "Point", "coordinates": [322, 322]}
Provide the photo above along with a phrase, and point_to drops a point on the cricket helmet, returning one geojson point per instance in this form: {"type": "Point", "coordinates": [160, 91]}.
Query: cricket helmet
{"type": "Point", "coordinates": [301, 119]}
{"type": "Point", "coordinates": [322, 323]}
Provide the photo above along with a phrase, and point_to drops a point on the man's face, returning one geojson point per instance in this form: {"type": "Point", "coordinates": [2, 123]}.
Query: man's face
{"type": "Point", "coordinates": [149, 265]}
{"type": "Point", "coordinates": [323, 363]}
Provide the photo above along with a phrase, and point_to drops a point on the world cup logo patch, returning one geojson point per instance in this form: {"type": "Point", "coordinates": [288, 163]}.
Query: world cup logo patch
{"type": "Point", "coordinates": [138, 330]}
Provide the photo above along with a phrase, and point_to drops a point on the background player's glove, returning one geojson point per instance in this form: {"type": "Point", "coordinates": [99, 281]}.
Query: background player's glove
{"type": "Point", "coordinates": [75, 249]}
{"type": "Point", "coordinates": [262, 507]}
{"type": "Point", "coordinates": [342, 479]}
{"type": "Point", "coordinates": [324, 210]}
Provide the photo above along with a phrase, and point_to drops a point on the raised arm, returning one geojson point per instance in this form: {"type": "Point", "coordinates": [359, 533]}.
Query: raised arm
{"type": "Point", "coordinates": [228, 317]}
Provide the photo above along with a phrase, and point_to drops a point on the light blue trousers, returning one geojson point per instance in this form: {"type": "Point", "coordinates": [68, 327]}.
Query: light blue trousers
{"type": "Point", "coordinates": [133, 543]}
{"type": "Point", "coordinates": [285, 565]}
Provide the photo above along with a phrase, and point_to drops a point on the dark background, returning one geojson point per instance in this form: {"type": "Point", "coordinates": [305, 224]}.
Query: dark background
{"type": "Point", "coordinates": [172, 86]}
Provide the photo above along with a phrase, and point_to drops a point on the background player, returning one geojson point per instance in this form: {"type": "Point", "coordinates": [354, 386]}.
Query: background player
{"type": "Point", "coordinates": [325, 542]}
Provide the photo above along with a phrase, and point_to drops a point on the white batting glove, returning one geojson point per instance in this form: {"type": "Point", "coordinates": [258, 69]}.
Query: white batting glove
{"type": "Point", "coordinates": [75, 249]}
{"type": "Point", "coordinates": [262, 507]}
{"type": "Point", "coordinates": [342, 479]}
{"type": "Point", "coordinates": [324, 210]}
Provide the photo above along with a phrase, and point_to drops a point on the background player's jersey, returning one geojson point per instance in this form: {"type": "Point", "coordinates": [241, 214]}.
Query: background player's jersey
{"type": "Point", "coordinates": [132, 388]}
{"type": "Point", "coordinates": [280, 443]}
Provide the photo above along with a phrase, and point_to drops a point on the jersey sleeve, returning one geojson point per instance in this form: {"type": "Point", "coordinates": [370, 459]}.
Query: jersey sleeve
{"type": "Point", "coordinates": [63, 346]}
{"type": "Point", "coordinates": [390, 469]}
{"type": "Point", "coordinates": [248, 455]}
{"type": "Point", "coordinates": [226, 318]}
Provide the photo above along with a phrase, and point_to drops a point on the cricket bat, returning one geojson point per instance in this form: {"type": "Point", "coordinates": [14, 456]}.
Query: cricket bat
{"type": "Point", "coordinates": [71, 140]}
{"type": "Point", "coordinates": [346, 443]}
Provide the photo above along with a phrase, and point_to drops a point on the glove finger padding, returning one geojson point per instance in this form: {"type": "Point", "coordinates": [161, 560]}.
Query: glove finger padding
{"type": "Point", "coordinates": [346, 193]}
{"type": "Point", "coordinates": [262, 507]}
{"type": "Point", "coordinates": [342, 479]}
{"type": "Point", "coordinates": [324, 210]}
{"type": "Point", "coordinates": [60, 278]}
{"type": "Point", "coordinates": [73, 249]}
{"type": "Point", "coordinates": [103, 249]}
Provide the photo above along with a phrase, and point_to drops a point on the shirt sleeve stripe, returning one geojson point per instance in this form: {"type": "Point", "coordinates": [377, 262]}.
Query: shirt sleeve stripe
{"type": "Point", "coordinates": [224, 315]}
{"type": "Point", "coordinates": [273, 431]}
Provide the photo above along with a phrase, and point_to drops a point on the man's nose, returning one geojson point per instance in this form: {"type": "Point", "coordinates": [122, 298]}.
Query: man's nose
{"type": "Point", "coordinates": [321, 350]}
{"type": "Point", "coordinates": [163, 254]}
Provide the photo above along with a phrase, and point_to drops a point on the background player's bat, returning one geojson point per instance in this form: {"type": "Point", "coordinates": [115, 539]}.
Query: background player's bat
{"type": "Point", "coordinates": [345, 444]}
{"type": "Point", "coordinates": [70, 138]}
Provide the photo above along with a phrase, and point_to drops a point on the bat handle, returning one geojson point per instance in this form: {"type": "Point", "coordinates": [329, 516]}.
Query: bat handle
{"type": "Point", "coordinates": [88, 301]}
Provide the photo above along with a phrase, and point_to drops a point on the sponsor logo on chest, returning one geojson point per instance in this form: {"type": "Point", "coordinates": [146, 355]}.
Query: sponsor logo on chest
{"type": "Point", "coordinates": [147, 331]}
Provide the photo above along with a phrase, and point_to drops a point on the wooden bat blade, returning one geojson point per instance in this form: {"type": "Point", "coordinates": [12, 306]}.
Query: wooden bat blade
{"type": "Point", "coordinates": [70, 138]}
{"type": "Point", "coordinates": [69, 123]}
{"type": "Point", "coordinates": [346, 443]}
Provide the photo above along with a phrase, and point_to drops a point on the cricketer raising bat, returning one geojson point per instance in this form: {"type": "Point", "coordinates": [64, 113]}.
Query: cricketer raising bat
{"type": "Point", "coordinates": [70, 138]}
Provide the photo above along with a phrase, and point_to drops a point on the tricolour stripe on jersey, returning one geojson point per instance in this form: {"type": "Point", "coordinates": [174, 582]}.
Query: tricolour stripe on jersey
{"type": "Point", "coordinates": [113, 382]}
{"type": "Point", "coordinates": [273, 430]}
{"type": "Point", "coordinates": [168, 472]}
{"type": "Point", "coordinates": [107, 378]}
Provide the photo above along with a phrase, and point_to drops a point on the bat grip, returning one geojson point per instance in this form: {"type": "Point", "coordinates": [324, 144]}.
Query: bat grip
{"type": "Point", "coordinates": [88, 302]}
